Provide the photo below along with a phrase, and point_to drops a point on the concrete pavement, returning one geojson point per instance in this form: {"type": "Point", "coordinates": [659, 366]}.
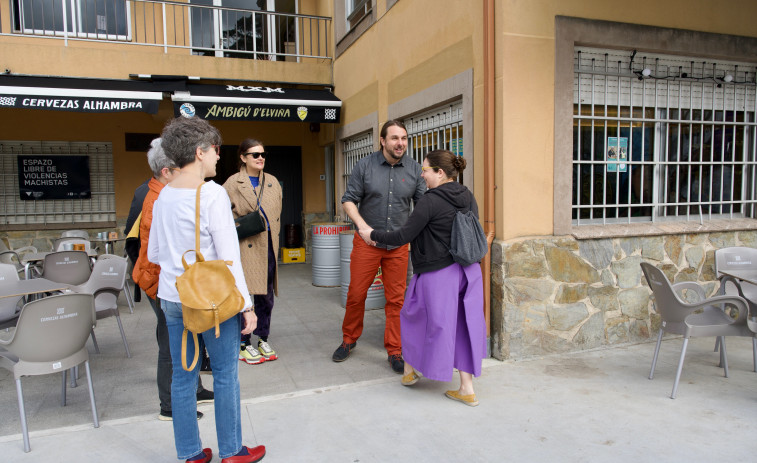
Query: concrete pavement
{"type": "Point", "coordinates": [589, 406]}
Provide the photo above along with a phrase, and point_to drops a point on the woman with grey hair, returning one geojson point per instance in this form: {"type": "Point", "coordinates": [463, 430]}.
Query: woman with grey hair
{"type": "Point", "coordinates": [193, 145]}
{"type": "Point", "coordinates": [145, 274]}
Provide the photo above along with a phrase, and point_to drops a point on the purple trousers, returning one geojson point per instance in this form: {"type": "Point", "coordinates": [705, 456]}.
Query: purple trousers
{"type": "Point", "coordinates": [442, 322]}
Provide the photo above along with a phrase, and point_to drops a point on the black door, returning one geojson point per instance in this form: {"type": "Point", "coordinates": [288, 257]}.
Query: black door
{"type": "Point", "coordinates": [285, 163]}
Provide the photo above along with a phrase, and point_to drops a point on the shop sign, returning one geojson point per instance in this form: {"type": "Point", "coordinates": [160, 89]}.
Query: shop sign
{"type": "Point", "coordinates": [256, 112]}
{"type": "Point", "coordinates": [43, 177]}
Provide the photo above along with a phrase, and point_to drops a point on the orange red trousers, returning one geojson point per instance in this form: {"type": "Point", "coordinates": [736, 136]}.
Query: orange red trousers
{"type": "Point", "coordinates": [365, 261]}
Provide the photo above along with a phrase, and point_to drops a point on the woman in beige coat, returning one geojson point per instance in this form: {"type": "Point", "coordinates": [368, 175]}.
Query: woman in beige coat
{"type": "Point", "coordinates": [246, 189]}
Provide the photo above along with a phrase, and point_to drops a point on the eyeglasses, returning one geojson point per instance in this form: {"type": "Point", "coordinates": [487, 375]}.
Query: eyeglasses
{"type": "Point", "coordinates": [427, 168]}
{"type": "Point", "coordinates": [256, 155]}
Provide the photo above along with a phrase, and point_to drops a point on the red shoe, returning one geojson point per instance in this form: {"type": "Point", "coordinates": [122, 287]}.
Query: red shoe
{"type": "Point", "coordinates": [255, 454]}
{"type": "Point", "coordinates": [208, 456]}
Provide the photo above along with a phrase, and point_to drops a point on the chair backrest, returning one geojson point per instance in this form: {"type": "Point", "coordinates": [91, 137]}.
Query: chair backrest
{"type": "Point", "coordinates": [8, 305]}
{"type": "Point", "coordinates": [667, 303]}
{"type": "Point", "coordinates": [60, 243]}
{"type": "Point", "coordinates": [83, 234]}
{"type": "Point", "coordinates": [63, 323]}
{"type": "Point", "coordinates": [69, 267]}
{"type": "Point", "coordinates": [10, 257]}
{"type": "Point", "coordinates": [106, 282]}
{"type": "Point", "coordinates": [735, 258]}
{"type": "Point", "coordinates": [108, 274]}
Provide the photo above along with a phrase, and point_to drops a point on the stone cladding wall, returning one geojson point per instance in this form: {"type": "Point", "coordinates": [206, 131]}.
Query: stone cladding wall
{"type": "Point", "coordinates": [559, 294]}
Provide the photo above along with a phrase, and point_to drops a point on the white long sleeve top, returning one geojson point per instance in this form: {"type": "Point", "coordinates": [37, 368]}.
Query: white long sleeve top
{"type": "Point", "coordinates": [173, 233]}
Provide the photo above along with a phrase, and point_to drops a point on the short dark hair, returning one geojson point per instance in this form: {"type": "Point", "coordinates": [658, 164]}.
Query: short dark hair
{"type": "Point", "coordinates": [246, 144]}
{"type": "Point", "coordinates": [445, 160]}
{"type": "Point", "coordinates": [182, 136]}
{"type": "Point", "coordinates": [391, 123]}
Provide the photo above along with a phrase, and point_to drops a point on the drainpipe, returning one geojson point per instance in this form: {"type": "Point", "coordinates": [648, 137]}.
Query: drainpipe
{"type": "Point", "coordinates": [489, 187]}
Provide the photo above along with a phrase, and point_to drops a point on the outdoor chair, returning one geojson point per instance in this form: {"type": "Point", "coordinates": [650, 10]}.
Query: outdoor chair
{"type": "Point", "coordinates": [739, 258]}
{"type": "Point", "coordinates": [9, 306]}
{"type": "Point", "coordinates": [704, 317]}
{"type": "Point", "coordinates": [64, 322]}
{"type": "Point", "coordinates": [69, 267]}
{"type": "Point", "coordinates": [83, 234]}
{"type": "Point", "coordinates": [126, 289]}
{"type": "Point", "coordinates": [13, 256]}
{"type": "Point", "coordinates": [106, 283]}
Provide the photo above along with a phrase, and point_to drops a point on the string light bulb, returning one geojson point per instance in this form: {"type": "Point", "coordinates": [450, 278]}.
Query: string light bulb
{"type": "Point", "coordinates": [727, 78]}
{"type": "Point", "coordinates": [646, 72]}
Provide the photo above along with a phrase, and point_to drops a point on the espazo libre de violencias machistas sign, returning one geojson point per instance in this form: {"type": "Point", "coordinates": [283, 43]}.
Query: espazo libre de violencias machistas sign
{"type": "Point", "coordinates": [53, 177]}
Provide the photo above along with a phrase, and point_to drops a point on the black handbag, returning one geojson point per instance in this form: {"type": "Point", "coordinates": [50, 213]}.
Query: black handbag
{"type": "Point", "coordinates": [252, 223]}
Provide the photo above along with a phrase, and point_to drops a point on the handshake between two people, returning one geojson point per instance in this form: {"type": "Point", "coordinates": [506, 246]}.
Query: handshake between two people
{"type": "Point", "coordinates": [365, 233]}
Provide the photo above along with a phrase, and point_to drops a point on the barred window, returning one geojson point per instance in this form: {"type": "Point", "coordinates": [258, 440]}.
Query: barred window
{"type": "Point", "coordinates": [354, 149]}
{"type": "Point", "coordinates": [658, 137]}
{"type": "Point", "coordinates": [27, 214]}
{"type": "Point", "coordinates": [439, 128]}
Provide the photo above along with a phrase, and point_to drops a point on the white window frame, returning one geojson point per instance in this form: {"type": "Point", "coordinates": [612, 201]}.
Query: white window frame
{"type": "Point", "coordinates": [609, 83]}
{"type": "Point", "coordinates": [355, 11]}
{"type": "Point", "coordinates": [76, 22]}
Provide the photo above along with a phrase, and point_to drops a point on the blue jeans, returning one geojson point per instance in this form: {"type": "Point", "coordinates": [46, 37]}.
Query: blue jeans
{"type": "Point", "coordinates": [164, 372]}
{"type": "Point", "coordinates": [223, 352]}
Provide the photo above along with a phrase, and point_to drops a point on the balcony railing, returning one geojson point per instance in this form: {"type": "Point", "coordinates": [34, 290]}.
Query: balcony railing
{"type": "Point", "coordinates": [203, 30]}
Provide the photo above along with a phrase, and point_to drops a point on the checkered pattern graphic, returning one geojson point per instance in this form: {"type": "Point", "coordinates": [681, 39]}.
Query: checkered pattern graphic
{"type": "Point", "coordinates": [330, 113]}
{"type": "Point", "coordinates": [7, 101]}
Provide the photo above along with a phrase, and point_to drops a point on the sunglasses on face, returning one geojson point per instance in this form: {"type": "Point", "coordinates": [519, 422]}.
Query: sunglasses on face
{"type": "Point", "coordinates": [256, 155]}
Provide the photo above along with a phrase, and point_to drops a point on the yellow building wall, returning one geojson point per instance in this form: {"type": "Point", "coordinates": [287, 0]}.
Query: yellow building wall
{"type": "Point", "coordinates": [89, 59]}
{"type": "Point", "coordinates": [419, 43]}
{"type": "Point", "coordinates": [398, 57]}
{"type": "Point", "coordinates": [525, 88]}
{"type": "Point", "coordinates": [130, 168]}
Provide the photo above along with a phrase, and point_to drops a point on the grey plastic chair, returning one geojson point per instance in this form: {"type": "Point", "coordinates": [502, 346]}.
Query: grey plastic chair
{"type": "Point", "coordinates": [126, 289]}
{"type": "Point", "coordinates": [83, 234]}
{"type": "Point", "coordinates": [106, 283]}
{"type": "Point", "coordinates": [13, 256]}
{"type": "Point", "coordinates": [739, 258]}
{"type": "Point", "coordinates": [69, 267]}
{"type": "Point", "coordinates": [9, 306]}
{"type": "Point", "coordinates": [64, 322]}
{"type": "Point", "coordinates": [705, 317]}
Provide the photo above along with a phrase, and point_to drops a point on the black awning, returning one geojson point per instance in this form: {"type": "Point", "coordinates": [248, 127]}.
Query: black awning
{"type": "Point", "coordinates": [78, 94]}
{"type": "Point", "coordinates": [248, 103]}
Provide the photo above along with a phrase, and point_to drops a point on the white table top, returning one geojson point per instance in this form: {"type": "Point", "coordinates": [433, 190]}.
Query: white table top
{"type": "Point", "coordinates": [38, 256]}
{"type": "Point", "coordinates": [750, 276]}
{"type": "Point", "coordinates": [25, 287]}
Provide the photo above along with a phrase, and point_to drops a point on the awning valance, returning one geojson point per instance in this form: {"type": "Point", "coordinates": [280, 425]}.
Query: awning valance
{"type": "Point", "coordinates": [250, 103]}
{"type": "Point", "coordinates": [78, 94]}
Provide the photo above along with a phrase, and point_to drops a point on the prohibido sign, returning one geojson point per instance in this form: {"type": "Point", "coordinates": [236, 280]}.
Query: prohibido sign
{"type": "Point", "coordinates": [53, 177]}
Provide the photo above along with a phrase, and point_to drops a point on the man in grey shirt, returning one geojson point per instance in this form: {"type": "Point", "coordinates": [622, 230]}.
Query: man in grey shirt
{"type": "Point", "coordinates": [380, 192]}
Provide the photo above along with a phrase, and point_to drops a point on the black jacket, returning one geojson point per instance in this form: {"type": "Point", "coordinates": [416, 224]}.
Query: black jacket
{"type": "Point", "coordinates": [429, 227]}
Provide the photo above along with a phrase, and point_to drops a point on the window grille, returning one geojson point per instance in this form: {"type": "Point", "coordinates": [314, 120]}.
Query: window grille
{"type": "Point", "coordinates": [354, 149]}
{"type": "Point", "coordinates": [440, 128]}
{"type": "Point", "coordinates": [100, 207]}
{"type": "Point", "coordinates": [658, 137]}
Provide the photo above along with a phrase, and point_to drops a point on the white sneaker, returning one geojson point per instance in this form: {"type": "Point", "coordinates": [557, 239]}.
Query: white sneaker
{"type": "Point", "coordinates": [266, 351]}
{"type": "Point", "coordinates": [250, 356]}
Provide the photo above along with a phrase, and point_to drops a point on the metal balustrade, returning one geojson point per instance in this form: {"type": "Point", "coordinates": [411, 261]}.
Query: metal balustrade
{"type": "Point", "coordinates": [199, 29]}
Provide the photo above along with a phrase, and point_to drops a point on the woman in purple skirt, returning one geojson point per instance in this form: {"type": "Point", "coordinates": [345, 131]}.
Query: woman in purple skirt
{"type": "Point", "coordinates": [442, 319]}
